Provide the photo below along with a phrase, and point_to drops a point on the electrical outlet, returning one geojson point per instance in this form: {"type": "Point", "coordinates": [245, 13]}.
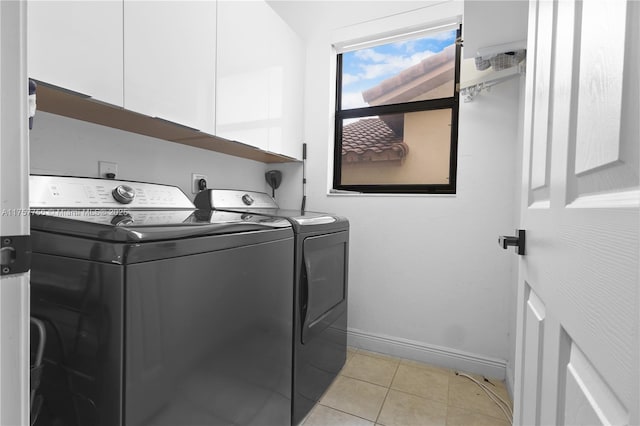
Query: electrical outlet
{"type": "Point", "coordinates": [195, 182]}
{"type": "Point", "coordinates": [105, 167]}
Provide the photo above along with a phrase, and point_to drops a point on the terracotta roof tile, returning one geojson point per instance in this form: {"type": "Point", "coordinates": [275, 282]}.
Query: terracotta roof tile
{"type": "Point", "coordinates": [372, 135]}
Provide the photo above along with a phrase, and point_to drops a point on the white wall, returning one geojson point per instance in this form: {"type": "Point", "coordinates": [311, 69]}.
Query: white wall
{"type": "Point", "coordinates": [494, 22]}
{"type": "Point", "coordinates": [427, 278]}
{"type": "Point", "coordinates": [65, 146]}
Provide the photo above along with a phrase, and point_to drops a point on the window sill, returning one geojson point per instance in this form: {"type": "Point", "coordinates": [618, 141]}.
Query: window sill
{"type": "Point", "coordinates": [338, 193]}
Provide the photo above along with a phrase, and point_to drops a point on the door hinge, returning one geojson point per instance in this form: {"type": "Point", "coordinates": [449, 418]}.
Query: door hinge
{"type": "Point", "coordinates": [15, 254]}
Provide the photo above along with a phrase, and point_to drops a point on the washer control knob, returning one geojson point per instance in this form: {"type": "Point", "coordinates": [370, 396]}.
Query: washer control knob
{"type": "Point", "coordinates": [247, 199]}
{"type": "Point", "coordinates": [122, 220]}
{"type": "Point", "coordinates": [123, 194]}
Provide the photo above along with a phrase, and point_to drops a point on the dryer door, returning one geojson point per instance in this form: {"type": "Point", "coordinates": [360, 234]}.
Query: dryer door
{"type": "Point", "coordinates": [324, 282]}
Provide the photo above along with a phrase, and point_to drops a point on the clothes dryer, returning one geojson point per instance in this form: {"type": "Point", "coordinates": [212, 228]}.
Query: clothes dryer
{"type": "Point", "coordinates": [320, 294]}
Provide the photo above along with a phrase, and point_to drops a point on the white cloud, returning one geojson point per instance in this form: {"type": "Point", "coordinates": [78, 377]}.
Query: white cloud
{"type": "Point", "coordinates": [349, 78]}
{"type": "Point", "coordinates": [370, 54]}
{"type": "Point", "coordinates": [392, 64]}
{"type": "Point", "coordinates": [408, 45]}
{"type": "Point", "coordinates": [352, 100]}
{"type": "Point", "coordinates": [375, 65]}
{"type": "Point", "coordinates": [444, 36]}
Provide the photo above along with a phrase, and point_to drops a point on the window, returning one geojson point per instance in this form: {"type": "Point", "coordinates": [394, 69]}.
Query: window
{"type": "Point", "coordinates": [396, 121]}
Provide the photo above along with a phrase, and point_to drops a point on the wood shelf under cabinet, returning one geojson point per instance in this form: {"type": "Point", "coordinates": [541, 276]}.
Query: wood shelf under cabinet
{"type": "Point", "coordinates": [63, 102]}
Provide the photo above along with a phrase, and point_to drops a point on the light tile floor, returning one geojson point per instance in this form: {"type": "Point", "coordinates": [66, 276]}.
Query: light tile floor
{"type": "Point", "coordinates": [374, 389]}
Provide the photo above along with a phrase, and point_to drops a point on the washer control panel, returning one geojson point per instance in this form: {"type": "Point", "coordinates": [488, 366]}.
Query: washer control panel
{"type": "Point", "coordinates": [119, 216]}
{"type": "Point", "coordinates": [74, 192]}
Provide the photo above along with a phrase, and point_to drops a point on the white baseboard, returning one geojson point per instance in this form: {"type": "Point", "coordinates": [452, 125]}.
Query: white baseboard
{"type": "Point", "coordinates": [430, 354]}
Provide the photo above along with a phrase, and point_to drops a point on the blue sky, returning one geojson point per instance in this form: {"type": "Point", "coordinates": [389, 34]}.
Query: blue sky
{"type": "Point", "coordinates": [365, 68]}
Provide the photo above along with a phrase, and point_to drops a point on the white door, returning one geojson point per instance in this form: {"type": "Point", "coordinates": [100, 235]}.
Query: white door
{"type": "Point", "coordinates": [577, 353]}
{"type": "Point", "coordinates": [14, 200]}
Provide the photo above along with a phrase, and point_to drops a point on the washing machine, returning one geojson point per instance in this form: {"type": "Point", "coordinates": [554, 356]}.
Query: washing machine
{"type": "Point", "coordinates": [157, 314]}
{"type": "Point", "coordinates": [320, 294]}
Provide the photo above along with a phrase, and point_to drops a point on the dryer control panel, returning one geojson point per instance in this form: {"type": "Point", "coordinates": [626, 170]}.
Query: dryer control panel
{"type": "Point", "coordinates": [234, 199]}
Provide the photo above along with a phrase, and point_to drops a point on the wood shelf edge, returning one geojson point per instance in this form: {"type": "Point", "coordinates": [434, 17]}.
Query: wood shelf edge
{"type": "Point", "coordinates": [69, 104]}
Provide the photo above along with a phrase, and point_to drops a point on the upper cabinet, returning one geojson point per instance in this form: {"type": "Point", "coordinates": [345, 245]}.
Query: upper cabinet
{"type": "Point", "coordinates": [77, 45]}
{"type": "Point", "coordinates": [260, 70]}
{"type": "Point", "coordinates": [233, 69]}
{"type": "Point", "coordinates": [170, 61]}
{"type": "Point", "coordinates": [491, 22]}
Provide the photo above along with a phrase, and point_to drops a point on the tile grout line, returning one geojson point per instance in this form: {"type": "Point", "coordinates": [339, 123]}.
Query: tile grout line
{"type": "Point", "coordinates": [400, 363]}
{"type": "Point", "coordinates": [387, 394]}
{"type": "Point", "coordinates": [450, 376]}
{"type": "Point", "coordinates": [449, 395]}
{"type": "Point", "coordinates": [344, 412]}
{"type": "Point", "coordinates": [406, 392]}
{"type": "Point", "coordinates": [354, 352]}
{"type": "Point", "coordinates": [361, 380]}
{"type": "Point", "coordinates": [446, 418]}
{"type": "Point", "coordinates": [386, 358]}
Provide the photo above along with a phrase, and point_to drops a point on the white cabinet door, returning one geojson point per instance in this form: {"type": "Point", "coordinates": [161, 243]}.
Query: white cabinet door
{"type": "Point", "coordinates": [77, 45]}
{"type": "Point", "coordinates": [286, 97]}
{"type": "Point", "coordinates": [259, 78]}
{"type": "Point", "coordinates": [169, 61]}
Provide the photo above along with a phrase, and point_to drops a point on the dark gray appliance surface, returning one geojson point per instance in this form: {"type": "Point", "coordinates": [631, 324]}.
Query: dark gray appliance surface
{"type": "Point", "coordinates": [320, 315]}
{"type": "Point", "coordinates": [161, 325]}
{"type": "Point", "coordinates": [139, 243]}
{"type": "Point", "coordinates": [320, 290]}
{"type": "Point", "coordinates": [130, 233]}
{"type": "Point", "coordinates": [303, 220]}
